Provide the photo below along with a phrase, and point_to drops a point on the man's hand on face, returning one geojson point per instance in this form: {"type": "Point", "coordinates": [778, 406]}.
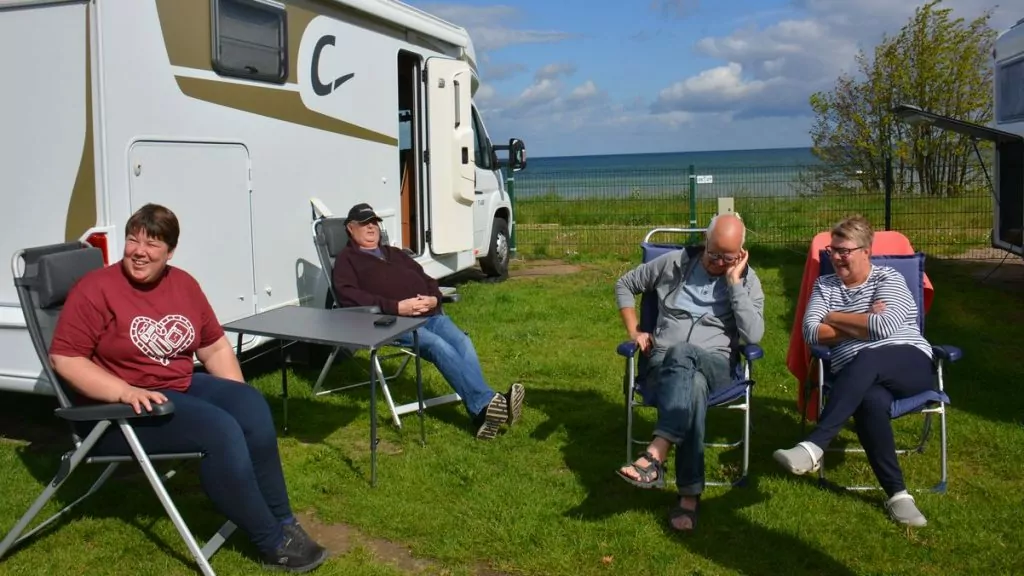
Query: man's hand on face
{"type": "Point", "coordinates": [732, 274]}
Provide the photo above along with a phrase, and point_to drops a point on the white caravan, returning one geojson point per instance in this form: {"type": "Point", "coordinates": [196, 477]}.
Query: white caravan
{"type": "Point", "coordinates": [1007, 136]}
{"type": "Point", "coordinates": [235, 114]}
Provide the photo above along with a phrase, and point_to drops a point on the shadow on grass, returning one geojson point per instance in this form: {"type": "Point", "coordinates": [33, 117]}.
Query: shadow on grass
{"type": "Point", "coordinates": [594, 448]}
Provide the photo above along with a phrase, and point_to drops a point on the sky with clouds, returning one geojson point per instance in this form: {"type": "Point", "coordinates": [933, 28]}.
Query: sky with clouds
{"type": "Point", "coordinates": [575, 77]}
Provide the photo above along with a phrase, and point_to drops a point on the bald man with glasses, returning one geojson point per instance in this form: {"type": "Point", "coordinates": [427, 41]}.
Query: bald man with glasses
{"type": "Point", "coordinates": [710, 302]}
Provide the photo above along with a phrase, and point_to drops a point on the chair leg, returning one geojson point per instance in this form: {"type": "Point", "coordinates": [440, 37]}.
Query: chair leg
{"type": "Point", "coordinates": [941, 486]}
{"type": "Point", "coordinates": [629, 384]}
{"type": "Point", "coordinates": [746, 440]}
{"type": "Point", "coordinates": [218, 539]}
{"type": "Point", "coordinates": [327, 368]}
{"type": "Point", "coordinates": [69, 462]}
{"type": "Point", "coordinates": [165, 499]}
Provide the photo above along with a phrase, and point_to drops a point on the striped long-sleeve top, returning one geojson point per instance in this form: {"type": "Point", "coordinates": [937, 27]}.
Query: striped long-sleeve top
{"type": "Point", "coordinates": [897, 324]}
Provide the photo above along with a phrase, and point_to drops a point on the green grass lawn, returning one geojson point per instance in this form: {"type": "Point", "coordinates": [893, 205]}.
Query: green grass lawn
{"type": "Point", "coordinates": [544, 499]}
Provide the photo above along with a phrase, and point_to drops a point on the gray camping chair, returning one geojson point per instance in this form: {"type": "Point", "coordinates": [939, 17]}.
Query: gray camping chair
{"type": "Point", "coordinates": [330, 236]}
{"type": "Point", "coordinates": [49, 273]}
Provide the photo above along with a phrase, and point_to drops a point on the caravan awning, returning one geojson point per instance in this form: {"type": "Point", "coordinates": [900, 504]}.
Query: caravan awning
{"type": "Point", "coordinates": [914, 115]}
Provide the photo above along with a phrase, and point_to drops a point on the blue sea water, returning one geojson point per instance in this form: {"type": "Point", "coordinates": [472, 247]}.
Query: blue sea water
{"type": "Point", "coordinates": [767, 172]}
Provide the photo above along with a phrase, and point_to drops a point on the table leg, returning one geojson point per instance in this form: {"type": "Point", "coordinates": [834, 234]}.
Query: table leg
{"type": "Point", "coordinates": [284, 382]}
{"type": "Point", "coordinates": [373, 417]}
{"type": "Point", "coordinates": [419, 385]}
{"type": "Point", "coordinates": [238, 347]}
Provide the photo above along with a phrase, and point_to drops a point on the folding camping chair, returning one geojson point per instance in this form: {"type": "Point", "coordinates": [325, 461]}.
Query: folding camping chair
{"type": "Point", "coordinates": [934, 401]}
{"type": "Point", "coordinates": [49, 273]}
{"type": "Point", "coordinates": [330, 236]}
{"type": "Point", "coordinates": [734, 397]}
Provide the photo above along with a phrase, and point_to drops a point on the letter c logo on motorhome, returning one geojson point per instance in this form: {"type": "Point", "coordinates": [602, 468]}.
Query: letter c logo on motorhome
{"type": "Point", "coordinates": [319, 88]}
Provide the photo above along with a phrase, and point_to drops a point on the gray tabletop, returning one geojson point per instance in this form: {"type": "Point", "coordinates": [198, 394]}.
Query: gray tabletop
{"type": "Point", "coordinates": [337, 327]}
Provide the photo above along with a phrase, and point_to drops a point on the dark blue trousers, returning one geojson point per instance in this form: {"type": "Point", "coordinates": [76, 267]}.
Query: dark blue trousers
{"type": "Point", "coordinates": [241, 473]}
{"type": "Point", "coordinates": [865, 389]}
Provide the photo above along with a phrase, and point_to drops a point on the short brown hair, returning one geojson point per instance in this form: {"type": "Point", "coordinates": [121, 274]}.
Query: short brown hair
{"type": "Point", "coordinates": [158, 223]}
{"type": "Point", "coordinates": [856, 229]}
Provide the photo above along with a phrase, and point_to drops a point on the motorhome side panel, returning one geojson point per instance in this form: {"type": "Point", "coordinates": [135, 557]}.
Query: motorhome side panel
{"type": "Point", "coordinates": [1008, 225]}
{"type": "Point", "coordinates": [329, 130]}
{"type": "Point", "coordinates": [46, 155]}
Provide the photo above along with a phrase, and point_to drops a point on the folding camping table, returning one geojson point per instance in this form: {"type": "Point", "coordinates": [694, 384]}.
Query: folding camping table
{"type": "Point", "coordinates": [336, 327]}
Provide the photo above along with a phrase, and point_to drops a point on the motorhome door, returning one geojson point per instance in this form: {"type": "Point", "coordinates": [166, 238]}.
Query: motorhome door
{"type": "Point", "coordinates": [207, 187]}
{"type": "Point", "coordinates": [451, 167]}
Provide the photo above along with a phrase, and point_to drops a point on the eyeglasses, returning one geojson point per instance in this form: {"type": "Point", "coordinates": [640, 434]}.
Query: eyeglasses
{"type": "Point", "coordinates": [842, 252]}
{"type": "Point", "coordinates": [726, 258]}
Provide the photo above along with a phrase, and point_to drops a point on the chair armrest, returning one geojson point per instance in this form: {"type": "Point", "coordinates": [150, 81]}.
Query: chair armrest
{"type": "Point", "coordinates": [820, 352]}
{"type": "Point", "coordinates": [97, 412]}
{"type": "Point", "coordinates": [752, 352]}
{"type": "Point", "coordinates": [947, 353]}
{"type": "Point", "coordinates": [449, 294]}
{"type": "Point", "coordinates": [367, 309]}
{"type": "Point", "coordinates": [450, 298]}
{"type": "Point", "coordinates": [627, 349]}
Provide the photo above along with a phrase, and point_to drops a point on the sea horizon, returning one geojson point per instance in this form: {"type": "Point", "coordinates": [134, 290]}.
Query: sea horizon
{"type": "Point", "coordinates": [759, 171]}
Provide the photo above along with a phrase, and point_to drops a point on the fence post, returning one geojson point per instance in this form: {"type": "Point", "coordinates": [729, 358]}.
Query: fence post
{"type": "Point", "coordinates": [888, 192]}
{"type": "Point", "coordinates": [693, 196]}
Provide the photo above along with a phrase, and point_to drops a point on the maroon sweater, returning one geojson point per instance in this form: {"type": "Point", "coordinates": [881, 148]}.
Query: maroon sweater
{"type": "Point", "coordinates": [363, 279]}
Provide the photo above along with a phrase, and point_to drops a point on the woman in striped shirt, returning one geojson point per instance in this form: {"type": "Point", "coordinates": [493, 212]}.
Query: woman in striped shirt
{"type": "Point", "coordinates": [867, 316]}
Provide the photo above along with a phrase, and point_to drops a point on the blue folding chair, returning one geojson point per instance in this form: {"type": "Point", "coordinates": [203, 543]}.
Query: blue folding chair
{"type": "Point", "coordinates": [934, 401]}
{"type": "Point", "coordinates": [734, 397]}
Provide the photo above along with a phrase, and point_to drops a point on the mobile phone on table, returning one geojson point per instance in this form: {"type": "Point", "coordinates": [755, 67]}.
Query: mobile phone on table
{"type": "Point", "coordinates": [384, 321]}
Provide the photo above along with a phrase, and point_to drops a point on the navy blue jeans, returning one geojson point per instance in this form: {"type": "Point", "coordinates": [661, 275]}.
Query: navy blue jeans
{"type": "Point", "coordinates": [683, 380]}
{"type": "Point", "coordinates": [865, 389]}
{"type": "Point", "coordinates": [241, 472]}
{"type": "Point", "coordinates": [448, 348]}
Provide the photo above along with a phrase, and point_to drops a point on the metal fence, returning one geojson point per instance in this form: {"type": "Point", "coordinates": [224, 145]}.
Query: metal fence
{"type": "Point", "coordinates": [601, 212]}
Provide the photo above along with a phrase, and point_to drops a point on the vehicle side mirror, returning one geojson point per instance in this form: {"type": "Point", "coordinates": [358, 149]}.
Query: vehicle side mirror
{"type": "Point", "coordinates": [516, 154]}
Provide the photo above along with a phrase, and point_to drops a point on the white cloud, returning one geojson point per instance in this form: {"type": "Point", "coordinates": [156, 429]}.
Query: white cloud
{"type": "Point", "coordinates": [675, 8]}
{"type": "Point", "coordinates": [489, 28]}
{"type": "Point", "coordinates": [552, 71]}
{"type": "Point", "coordinates": [772, 70]}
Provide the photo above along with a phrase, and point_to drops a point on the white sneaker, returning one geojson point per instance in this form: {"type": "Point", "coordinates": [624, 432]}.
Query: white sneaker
{"type": "Point", "coordinates": [902, 509]}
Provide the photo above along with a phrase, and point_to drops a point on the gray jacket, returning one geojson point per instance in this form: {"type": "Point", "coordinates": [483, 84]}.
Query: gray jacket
{"type": "Point", "coordinates": [743, 323]}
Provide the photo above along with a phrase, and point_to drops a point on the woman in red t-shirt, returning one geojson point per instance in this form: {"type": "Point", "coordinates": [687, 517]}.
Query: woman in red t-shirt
{"type": "Point", "coordinates": [128, 333]}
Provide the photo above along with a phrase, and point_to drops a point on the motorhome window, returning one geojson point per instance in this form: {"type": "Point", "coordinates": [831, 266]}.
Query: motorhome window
{"type": "Point", "coordinates": [481, 146]}
{"type": "Point", "coordinates": [250, 40]}
{"type": "Point", "coordinates": [1010, 98]}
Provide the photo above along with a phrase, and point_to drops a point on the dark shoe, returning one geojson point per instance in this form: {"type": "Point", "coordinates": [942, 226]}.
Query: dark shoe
{"type": "Point", "coordinates": [298, 553]}
{"type": "Point", "coordinates": [514, 398]}
{"type": "Point", "coordinates": [650, 476]}
{"type": "Point", "coordinates": [493, 416]}
{"type": "Point", "coordinates": [677, 512]}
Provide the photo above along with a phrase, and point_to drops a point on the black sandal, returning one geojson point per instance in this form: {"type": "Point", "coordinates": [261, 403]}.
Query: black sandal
{"type": "Point", "coordinates": [677, 512]}
{"type": "Point", "coordinates": [646, 473]}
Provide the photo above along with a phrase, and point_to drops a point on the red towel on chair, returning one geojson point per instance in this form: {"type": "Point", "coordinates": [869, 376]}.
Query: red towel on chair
{"type": "Point", "coordinates": [798, 358]}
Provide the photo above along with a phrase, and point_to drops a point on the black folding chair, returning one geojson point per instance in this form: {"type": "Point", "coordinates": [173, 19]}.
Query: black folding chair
{"type": "Point", "coordinates": [43, 277]}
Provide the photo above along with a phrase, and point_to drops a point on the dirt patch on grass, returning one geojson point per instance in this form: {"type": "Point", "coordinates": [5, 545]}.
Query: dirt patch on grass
{"type": "Point", "coordinates": [992, 267]}
{"type": "Point", "coordinates": [339, 539]}
{"type": "Point", "coordinates": [537, 268]}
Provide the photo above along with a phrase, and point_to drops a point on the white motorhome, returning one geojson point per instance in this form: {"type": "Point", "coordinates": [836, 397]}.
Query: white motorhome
{"type": "Point", "coordinates": [1007, 137]}
{"type": "Point", "coordinates": [235, 113]}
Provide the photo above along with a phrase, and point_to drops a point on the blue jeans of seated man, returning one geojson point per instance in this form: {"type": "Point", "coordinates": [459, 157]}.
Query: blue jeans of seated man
{"type": "Point", "coordinates": [241, 473]}
{"type": "Point", "coordinates": [448, 348]}
{"type": "Point", "coordinates": [683, 380]}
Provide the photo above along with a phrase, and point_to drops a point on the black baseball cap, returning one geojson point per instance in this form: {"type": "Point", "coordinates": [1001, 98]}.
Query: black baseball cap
{"type": "Point", "coordinates": [362, 213]}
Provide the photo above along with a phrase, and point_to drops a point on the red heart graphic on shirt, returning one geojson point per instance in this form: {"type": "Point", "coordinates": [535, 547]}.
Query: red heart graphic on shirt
{"type": "Point", "coordinates": [164, 339]}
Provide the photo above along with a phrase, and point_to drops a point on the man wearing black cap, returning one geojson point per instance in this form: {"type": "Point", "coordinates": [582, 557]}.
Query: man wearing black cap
{"type": "Point", "coordinates": [367, 273]}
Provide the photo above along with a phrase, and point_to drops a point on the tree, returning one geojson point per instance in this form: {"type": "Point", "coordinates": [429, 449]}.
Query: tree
{"type": "Point", "coordinates": [935, 62]}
